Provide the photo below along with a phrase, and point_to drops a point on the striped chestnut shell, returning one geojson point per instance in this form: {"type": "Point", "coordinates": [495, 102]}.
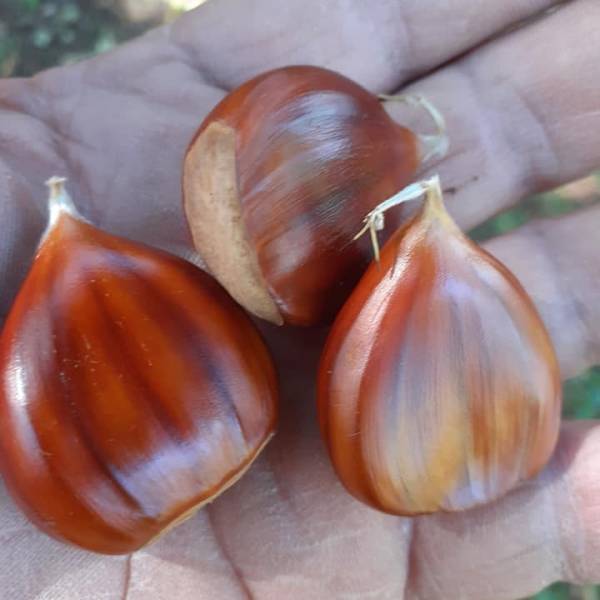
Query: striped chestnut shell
{"type": "Point", "coordinates": [276, 181]}
{"type": "Point", "coordinates": [132, 388]}
{"type": "Point", "coordinates": [438, 387]}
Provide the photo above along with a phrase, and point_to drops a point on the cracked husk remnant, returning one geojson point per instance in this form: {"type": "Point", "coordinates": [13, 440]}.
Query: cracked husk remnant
{"type": "Point", "coordinates": [212, 206]}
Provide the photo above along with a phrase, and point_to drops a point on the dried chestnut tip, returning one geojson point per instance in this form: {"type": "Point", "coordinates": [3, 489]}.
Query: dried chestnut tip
{"type": "Point", "coordinates": [56, 184]}
{"type": "Point", "coordinates": [430, 145]}
{"type": "Point", "coordinates": [59, 202]}
{"type": "Point", "coordinates": [433, 208]}
{"type": "Point", "coordinates": [212, 206]}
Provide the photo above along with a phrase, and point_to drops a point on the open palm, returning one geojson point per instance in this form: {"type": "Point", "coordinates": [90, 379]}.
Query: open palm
{"type": "Point", "coordinates": [522, 105]}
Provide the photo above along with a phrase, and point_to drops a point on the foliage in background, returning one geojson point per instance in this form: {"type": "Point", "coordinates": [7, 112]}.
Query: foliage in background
{"type": "Point", "coordinates": [563, 591]}
{"type": "Point", "coordinates": [549, 205]}
{"type": "Point", "coordinates": [37, 34]}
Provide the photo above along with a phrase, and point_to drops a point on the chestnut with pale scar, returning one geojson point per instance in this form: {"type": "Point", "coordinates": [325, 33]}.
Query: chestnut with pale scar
{"type": "Point", "coordinates": [277, 179]}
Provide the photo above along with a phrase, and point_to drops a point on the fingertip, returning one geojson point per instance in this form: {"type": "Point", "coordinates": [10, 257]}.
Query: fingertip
{"type": "Point", "coordinates": [578, 457]}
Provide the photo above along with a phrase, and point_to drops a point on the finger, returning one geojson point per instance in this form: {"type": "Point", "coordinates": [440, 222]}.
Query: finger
{"type": "Point", "coordinates": [522, 112]}
{"type": "Point", "coordinates": [187, 564]}
{"type": "Point", "coordinates": [35, 566]}
{"type": "Point", "coordinates": [558, 263]}
{"type": "Point", "coordinates": [380, 44]}
{"type": "Point", "coordinates": [547, 530]}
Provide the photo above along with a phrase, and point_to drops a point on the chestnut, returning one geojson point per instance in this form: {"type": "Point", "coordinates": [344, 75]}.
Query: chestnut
{"type": "Point", "coordinates": [276, 181]}
{"type": "Point", "coordinates": [133, 389]}
{"type": "Point", "coordinates": [439, 388]}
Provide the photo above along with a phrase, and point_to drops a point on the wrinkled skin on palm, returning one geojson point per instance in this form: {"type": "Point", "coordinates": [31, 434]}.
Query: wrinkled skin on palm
{"type": "Point", "coordinates": [118, 126]}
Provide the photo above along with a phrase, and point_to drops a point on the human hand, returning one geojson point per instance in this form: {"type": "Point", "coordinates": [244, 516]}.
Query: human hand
{"type": "Point", "coordinates": [522, 112]}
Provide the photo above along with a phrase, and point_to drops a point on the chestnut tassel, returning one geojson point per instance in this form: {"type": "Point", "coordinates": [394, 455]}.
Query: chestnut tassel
{"type": "Point", "coordinates": [132, 388]}
{"type": "Point", "coordinates": [277, 179]}
{"type": "Point", "coordinates": [438, 387]}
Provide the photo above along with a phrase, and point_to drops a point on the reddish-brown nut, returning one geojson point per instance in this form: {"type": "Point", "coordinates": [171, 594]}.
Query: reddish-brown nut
{"type": "Point", "coordinates": [276, 181]}
{"type": "Point", "coordinates": [132, 388]}
{"type": "Point", "coordinates": [438, 387]}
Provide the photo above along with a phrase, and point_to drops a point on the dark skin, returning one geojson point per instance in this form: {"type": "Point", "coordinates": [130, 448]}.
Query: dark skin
{"type": "Point", "coordinates": [522, 111]}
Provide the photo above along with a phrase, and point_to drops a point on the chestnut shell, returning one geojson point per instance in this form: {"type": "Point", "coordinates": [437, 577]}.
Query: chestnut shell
{"type": "Point", "coordinates": [313, 153]}
{"type": "Point", "coordinates": [132, 390]}
{"type": "Point", "coordinates": [438, 386]}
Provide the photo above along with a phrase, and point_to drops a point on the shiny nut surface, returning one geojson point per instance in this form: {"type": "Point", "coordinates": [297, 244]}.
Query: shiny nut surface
{"type": "Point", "coordinates": [286, 166]}
{"type": "Point", "coordinates": [438, 386]}
{"type": "Point", "coordinates": [132, 390]}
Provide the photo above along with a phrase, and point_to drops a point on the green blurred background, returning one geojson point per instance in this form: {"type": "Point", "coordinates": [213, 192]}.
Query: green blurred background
{"type": "Point", "coordinates": [37, 34]}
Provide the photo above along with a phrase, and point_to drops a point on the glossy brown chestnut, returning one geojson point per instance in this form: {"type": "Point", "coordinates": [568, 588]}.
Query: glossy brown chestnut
{"type": "Point", "coordinates": [132, 388]}
{"type": "Point", "coordinates": [276, 182]}
{"type": "Point", "coordinates": [438, 387]}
